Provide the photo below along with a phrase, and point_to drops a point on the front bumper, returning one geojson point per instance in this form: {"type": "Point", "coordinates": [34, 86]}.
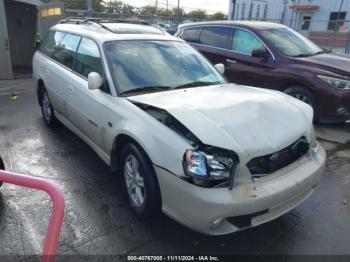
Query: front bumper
{"type": "Point", "coordinates": [335, 107]}
{"type": "Point", "coordinates": [209, 210]}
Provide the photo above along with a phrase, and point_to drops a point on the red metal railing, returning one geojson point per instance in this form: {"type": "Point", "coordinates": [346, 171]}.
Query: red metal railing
{"type": "Point", "coordinates": [56, 218]}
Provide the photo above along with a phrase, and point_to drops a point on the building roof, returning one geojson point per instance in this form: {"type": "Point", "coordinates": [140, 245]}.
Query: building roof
{"type": "Point", "coordinates": [249, 24]}
{"type": "Point", "coordinates": [31, 2]}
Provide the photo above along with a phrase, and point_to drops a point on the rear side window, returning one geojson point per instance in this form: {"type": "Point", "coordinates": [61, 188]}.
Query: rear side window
{"type": "Point", "coordinates": [88, 58]}
{"type": "Point", "coordinates": [191, 35]}
{"type": "Point", "coordinates": [245, 42]}
{"type": "Point", "coordinates": [216, 36]}
{"type": "Point", "coordinates": [51, 41]}
{"type": "Point", "coordinates": [65, 52]}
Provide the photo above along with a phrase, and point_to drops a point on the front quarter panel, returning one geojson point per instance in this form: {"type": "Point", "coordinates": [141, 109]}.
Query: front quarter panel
{"type": "Point", "coordinates": [164, 147]}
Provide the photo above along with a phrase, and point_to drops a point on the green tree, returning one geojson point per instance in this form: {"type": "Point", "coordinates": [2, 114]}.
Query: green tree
{"type": "Point", "coordinates": [113, 6]}
{"type": "Point", "coordinates": [147, 10]}
{"type": "Point", "coordinates": [178, 12]}
{"type": "Point", "coordinates": [128, 9]}
{"type": "Point", "coordinates": [165, 12]}
{"type": "Point", "coordinates": [197, 14]}
{"type": "Point", "coordinates": [218, 16]}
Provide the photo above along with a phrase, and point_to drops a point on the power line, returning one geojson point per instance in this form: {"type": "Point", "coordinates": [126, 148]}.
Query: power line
{"type": "Point", "coordinates": [174, 5]}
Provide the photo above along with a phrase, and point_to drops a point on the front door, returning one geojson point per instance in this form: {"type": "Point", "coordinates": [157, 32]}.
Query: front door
{"type": "Point", "coordinates": [5, 56]}
{"type": "Point", "coordinates": [85, 106]}
{"type": "Point", "coordinates": [242, 68]}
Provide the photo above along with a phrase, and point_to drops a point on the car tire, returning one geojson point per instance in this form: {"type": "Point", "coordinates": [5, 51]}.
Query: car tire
{"type": "Point", "coordinates": [47, 110]}
{"type": "Point", "coordinates": [305, 96]}
{"type": "Point", "coordinates": [140, 182]}
{"type": "Point", "coordinates": [2, 167]}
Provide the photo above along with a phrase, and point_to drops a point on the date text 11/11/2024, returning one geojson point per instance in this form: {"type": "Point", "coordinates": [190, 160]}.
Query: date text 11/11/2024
{"type": "Point", "coordinates": [173, 258]}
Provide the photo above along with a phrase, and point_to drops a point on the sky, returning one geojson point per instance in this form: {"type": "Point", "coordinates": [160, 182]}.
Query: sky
{"type": "Point", "coordinates": [211, 6]}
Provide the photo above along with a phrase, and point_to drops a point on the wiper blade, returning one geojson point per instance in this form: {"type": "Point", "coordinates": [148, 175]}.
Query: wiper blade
{"type": "Point", "coordinates": [302, 55]}
{"type": "Point", "coordinates": [146, 89]}
{"type": "Point", "coordinates": [196, 83]}
{"type": "Point", "coordinates": [322, 52]}
{"type": "Point", "coordinates": [317, 53]}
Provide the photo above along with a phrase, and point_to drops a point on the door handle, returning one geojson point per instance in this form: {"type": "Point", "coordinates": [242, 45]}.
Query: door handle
{"type": "Point", "coordinates": [231, 61]}
{"type": "Point", "coordinates": [7, 46]}
{"type": "Point", "coordinates": [70, 88]}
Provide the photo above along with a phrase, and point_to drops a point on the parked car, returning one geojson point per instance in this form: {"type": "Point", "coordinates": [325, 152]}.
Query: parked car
{"type": "Point", "coordinates": [214, 156]}
{"type": "Point", "coordinates": [274, 56]}
{"type": "Point", "coordinates": [172, 29]}
{"type": "Point", "coordinates": [2, 167]}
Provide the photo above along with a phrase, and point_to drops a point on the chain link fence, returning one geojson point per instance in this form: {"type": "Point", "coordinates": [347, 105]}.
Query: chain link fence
{"type": "Point", "coordinates": [329, 34]}
{"type": "Point", "coordinates": [167, 22]}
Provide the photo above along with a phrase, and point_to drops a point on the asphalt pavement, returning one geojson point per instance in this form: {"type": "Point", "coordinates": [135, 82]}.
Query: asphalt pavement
{"type": "Point", "coordinates": [97, 218]}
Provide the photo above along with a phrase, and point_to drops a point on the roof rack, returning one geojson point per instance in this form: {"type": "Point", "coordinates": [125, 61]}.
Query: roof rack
{"type": "Point", "coordinates": [99, 21]}
{"type": "Point", "coordinates": [83, 20]}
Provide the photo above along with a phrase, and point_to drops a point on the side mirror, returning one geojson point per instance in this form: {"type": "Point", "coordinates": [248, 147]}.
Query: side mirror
{"type": "Point", "coordinates": [221, 68]}
{"type": "Point", "coordinates": [260, 52]}
{"type": "Point", "coordinates": [94, 81]}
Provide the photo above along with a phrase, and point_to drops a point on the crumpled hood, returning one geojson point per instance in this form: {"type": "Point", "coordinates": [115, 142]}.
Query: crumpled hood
{"type": "Point", "coordinates": [250, 121]}
{"type": "Point", "coordinates": [332, 62]}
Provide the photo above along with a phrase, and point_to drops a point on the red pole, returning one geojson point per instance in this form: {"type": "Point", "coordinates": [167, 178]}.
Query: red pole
{"type": "Point", "coordinates": [56, 218]}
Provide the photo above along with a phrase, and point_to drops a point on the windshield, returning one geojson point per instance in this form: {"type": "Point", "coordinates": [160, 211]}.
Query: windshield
{"type": "Point", "coordinates": [291, 43]}
{"type": "Point", "coordinates": [150, 66]}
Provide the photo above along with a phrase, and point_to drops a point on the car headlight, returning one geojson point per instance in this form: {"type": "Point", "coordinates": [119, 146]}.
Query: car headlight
{"type": "Point", "coordinates": [210, 167]}
{"type": "Point", "coordinates": [336, 82]}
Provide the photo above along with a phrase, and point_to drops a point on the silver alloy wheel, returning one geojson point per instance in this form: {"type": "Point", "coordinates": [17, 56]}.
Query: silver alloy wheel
{"type": "Point", "coordinates": [134, 181]}
{"type": "Point", "coordinates": [303, 98]}
{"type": "Point", "coordinates": [46, 107]}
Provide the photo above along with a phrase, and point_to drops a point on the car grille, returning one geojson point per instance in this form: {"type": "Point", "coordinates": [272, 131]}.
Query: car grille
{"type": "Point", "coordinates": [264, 165]}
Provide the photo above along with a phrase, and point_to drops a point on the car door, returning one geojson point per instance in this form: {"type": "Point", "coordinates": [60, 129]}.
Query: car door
{"type": "Point", "coordinates": [52, 71]}
{"type": "Point", "coordinates": [245, 69]}
{"type": "Point", "coordinates": [85, 106]}
{"type": "Point", "coordinates": [211, 41]}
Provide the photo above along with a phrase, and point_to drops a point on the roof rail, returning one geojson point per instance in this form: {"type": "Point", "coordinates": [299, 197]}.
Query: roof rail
{"type": "Point", "coordinates": [82, 20]}
{"type": "Point", "coordinates": [99, 21]}
{"type": "Point", "coordinates": [72, 20]}
{"type": "Point", "coordinates": [109, 20]}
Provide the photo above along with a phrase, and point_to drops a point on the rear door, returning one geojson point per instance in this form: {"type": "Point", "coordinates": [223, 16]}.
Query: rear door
{"type": "Point", "coordinates": [61, 48]}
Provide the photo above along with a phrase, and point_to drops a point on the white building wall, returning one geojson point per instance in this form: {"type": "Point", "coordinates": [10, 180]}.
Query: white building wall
{"type": "Point", "coordinates": [320, 17]}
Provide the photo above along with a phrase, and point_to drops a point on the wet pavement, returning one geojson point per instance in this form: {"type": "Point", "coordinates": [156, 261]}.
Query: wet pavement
{"type": "Point", "coordinates": [98, 221]}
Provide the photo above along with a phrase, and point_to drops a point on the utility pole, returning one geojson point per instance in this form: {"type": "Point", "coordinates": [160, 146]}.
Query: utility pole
{"type": "Point", "coordinates": [90, 8]}
{"type": "Point", "coordinates": [232, 15]}
{"type": "Point", "coordinates": [156, 7]}
{"type": "Point", "coordinates": [178, 11]}
{"type": "Point", "coordinates": [291, 19]}
{"type": "Point", "coordinates": [167, 10]}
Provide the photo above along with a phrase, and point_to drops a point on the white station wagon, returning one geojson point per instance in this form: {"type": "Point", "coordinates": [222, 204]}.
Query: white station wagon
{"type": "Point", "coordinates": [214, 156]}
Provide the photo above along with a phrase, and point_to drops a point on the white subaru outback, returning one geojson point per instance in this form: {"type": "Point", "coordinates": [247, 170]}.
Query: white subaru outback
{"type": "Point", "coordinates": [214, 156]}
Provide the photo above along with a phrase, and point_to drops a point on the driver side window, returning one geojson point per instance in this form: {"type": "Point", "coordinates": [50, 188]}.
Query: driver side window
{"type": "Point", "coordinates": [88, 58]}
{"type": "Point", "coordinates": [245, 42]}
